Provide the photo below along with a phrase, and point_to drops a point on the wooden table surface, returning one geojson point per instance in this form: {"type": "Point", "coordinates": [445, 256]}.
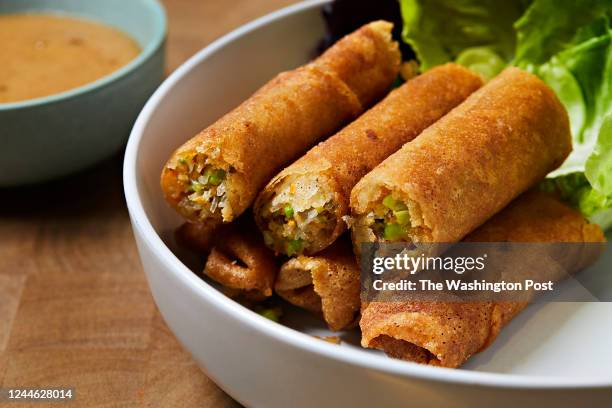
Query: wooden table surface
{"type": "Point", "coordinates": [75, 308]}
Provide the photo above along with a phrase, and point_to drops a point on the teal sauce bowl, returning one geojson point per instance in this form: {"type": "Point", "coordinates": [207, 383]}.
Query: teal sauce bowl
{"type": "Point", "coordinates": [53, 136]}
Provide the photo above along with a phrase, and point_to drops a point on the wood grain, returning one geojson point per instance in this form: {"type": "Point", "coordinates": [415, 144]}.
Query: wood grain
{"type": "Point", "coordinates": [75, 308]}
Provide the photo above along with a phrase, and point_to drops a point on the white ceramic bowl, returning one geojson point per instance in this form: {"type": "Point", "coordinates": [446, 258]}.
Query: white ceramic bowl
{"type": "Point", "coordinates": [552, 355]}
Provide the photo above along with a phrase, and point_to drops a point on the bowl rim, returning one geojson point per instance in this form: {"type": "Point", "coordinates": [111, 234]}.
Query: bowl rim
{"type": "Point", "coordinates": [145, 54]}
{"type": "Point", "coordinates": [144, 229]}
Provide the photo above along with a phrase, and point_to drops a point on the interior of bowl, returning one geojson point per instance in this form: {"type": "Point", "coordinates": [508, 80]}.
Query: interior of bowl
{"type": "Point", "coordinates": [551, 340]}
{"type": "Point", "coordinates": [143, 20]}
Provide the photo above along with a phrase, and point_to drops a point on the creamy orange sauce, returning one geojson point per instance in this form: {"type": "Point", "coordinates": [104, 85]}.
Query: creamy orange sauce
{"type": "Point", "coordinates": [44, 54]}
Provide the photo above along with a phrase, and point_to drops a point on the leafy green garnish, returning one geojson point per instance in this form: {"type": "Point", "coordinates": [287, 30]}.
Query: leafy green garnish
{"type": "Point", "coordinates": [483, 60]}
{"type": "Point", "coordinates": [572, 53]}
{"type": "Point", "coordinates": [567, 43]}
{"type": "Point", "coordinates": [441, 31]}
{"type": "Point", "coordinates": [590, 191]}
{"type": "Point", "coordinates": [549, 26]}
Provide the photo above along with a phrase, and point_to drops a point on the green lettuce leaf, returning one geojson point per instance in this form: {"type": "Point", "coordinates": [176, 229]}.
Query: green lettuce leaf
{"type": "Point", "coordinates": [574, 57]}
{"type": "Point", "coordinates": [548, 26]}
{"type": "Point", "coordinates": [599, 165]}
{"type": "Point", "coordinates": [582, 77]}
{"type": "Point", "coordinates": [598, 171]}
{"type": "Point", "coordinates": [576, 190]}
{"type": "Point", "coordinates": [441, 31]}
{"type": "Point", "coordinates": [567, 43]}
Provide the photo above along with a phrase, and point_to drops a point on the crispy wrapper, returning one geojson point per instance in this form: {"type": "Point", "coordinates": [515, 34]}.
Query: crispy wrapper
{"type": "Point", "coordinates": [197, 237]}
{"type": "Point", "coordinates": [326, 284]}
{"type": "Point", "coordinates": [470, 164]}
{"type": "Point", "coordinates": [325, 176]}
{"type": "Point", "coordinates": [217, 174]}
{"type": "Point", "coordinates": [242, 263]}
{"type": "Point", "coordinates": [448, 333]}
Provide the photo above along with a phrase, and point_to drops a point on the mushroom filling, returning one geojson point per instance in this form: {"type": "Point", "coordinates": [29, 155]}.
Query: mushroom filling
{"type": "Point", "coordinates": [390, 220]}
{"type": "Point", "coordinates": [297, 217]}
{"type": "Point", "coordinates": [204, 186]}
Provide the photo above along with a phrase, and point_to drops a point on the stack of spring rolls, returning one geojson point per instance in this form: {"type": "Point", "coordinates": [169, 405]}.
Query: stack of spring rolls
{"type": "Point", "coordinates": [442, 158]}
{"type": "Point", "coordinates": [216, 175]}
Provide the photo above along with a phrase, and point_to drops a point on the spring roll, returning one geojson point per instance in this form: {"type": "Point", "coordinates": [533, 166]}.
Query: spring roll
{"type": "Point", "coordinates": [467, 166]}
{"type": "Point", "coordinates": [304, 208]}
{"type": "Point", "coordinates": [197, 237]}
{"type": "Point", "coordinates": [448, 333]}
{"type": "Point", "coordinates": [241, 263]}
{"type": "Point", "coordinates": [216, 175]}
{"type": "Point", "coordinates": [326, 284]}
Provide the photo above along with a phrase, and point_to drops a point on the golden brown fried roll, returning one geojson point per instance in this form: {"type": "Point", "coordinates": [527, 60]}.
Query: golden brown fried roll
{"type": "Point", "coordinates": [216, 174]}
{"type": "Point", "coordinates": [197, 237]}
{"type": "Point", "coordinates": [303, 208]}
{"type": "Point", "coordinates": [448, 333]}
{"type": "Point", "coordinates": [241, 263]}
{"type": "Point", "coordinates": [467, 166]}
{"type": "Point", "coordinates": [326, 284]}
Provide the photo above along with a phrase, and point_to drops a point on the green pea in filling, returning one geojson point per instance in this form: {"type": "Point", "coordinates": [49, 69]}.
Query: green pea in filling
{"type": "Point", "coordinates": [294, 246]}
{"type": "Point", "coordinates": [290, 231]}
{"type": "Point", "coordinates": [204, 186]}
{"type": "Point", "coordinates": [391, 220]}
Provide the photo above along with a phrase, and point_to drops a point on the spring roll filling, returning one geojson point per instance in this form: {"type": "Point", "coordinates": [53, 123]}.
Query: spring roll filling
{"type": "Point", "coordinates": [391, 220]}
{"type": "Point", "coordinates": [298, 215]}
{"type": "Point", "coordinates": [203, 185]}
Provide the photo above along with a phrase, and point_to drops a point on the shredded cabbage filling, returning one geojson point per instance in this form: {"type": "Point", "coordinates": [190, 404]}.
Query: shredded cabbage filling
{"type": "Point", "coordinates": [204, 186]}
{"type": "Point", "coordinates": [297, 217]}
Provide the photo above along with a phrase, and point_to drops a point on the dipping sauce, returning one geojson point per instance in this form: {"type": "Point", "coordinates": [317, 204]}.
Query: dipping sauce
{"type": "Point", "coordinates": [42, 54]}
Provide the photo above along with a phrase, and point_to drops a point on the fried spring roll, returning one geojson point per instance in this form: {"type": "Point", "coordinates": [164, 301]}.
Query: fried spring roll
{"type": "Point", "coordinates": [304, 208]}
{"type": "Point", "coordinates": [467, 166]}
{"type": "Point", "coordinates": [197, 237]}
{"type": "Point", "coordinates": [448, 333]}
{"type": "Point", "coordinates": [326, 284]}
{"type": "Point", "coordinates": [216, 175]}
{"type": "Point", "coordinates": [241, 262]}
